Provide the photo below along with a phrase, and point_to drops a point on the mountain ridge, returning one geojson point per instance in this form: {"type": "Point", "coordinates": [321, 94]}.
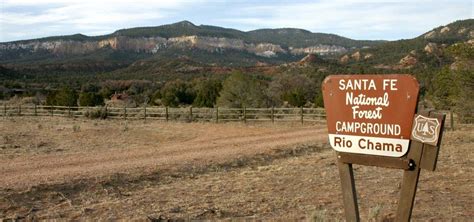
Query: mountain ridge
{"type": "Point", "coordinates": [218, 46]}
{"type": "Point", "coordinates": [184, 23]}
{"type": "Point", "coordinates": [285, 45]}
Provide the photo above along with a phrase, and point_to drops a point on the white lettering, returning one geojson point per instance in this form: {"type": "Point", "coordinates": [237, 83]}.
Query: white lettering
{"type": "Point", "coordinates": [369, 128]}
{"type": "Point", "coordinates": [357, 84]}
{"type": "Point", "coordinates": [362, 99]}
{"type": "Point", "coordinates": [390, 82]}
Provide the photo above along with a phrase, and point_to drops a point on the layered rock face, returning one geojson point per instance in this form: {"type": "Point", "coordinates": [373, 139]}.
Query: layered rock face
{"type": "Point", "coordinates": [61, 47]}
{"type": "Point", "coordinates": [319, 49]}
{"type": "Point", "coordinates": [155, 44]}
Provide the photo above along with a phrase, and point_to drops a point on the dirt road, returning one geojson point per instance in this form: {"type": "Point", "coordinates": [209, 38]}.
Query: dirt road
{"type": "Point", "coordinates": [134, 148]}
{"type": "Point", "coordinates": [66, 169]}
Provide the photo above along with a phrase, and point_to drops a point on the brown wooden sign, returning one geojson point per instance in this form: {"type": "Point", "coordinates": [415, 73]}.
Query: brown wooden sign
{"type": "Point", "coordinates": [370, 114]}
{"type": "Point", "coordinates": [374, 115]}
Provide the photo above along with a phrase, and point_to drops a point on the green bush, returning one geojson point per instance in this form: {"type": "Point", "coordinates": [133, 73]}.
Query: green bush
{"type": "Point", "coordinates": [90, 99]}
{"type": "Point", "coordinates": [207, 92]}
{"type": "Point", "coordinates": [64, 97]}
{"type": "Point", "coordinates": [100, 113]}
{"type": "Point", "coordinates": [177, 92]}
{"type": "Point", "coordinates": [295, 89]}
{"type": "Point", "coordinates": [240, 90]}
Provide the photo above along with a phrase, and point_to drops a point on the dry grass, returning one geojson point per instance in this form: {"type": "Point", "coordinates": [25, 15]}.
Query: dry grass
{"type": "Point", "coordinates": [25, 136]}
{"type": "Point", "coordinates": [64, 149]}
{"type": "Point", "coordinates": [294, 177]}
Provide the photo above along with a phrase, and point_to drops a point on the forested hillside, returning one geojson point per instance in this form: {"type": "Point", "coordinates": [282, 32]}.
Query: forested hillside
{"type": "Point", "coordinates": [183, 64]}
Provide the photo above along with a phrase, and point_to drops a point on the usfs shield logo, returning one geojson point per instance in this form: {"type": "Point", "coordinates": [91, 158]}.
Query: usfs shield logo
{"type": "Point", "coordinates": [426, 130]}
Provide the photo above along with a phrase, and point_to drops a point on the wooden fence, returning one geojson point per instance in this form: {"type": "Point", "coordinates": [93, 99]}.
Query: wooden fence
{"type": "Point", "coordinates": [187, 114]}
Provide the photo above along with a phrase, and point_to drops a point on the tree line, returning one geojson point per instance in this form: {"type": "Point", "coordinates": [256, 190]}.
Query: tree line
{"type": "Point", "coordinates": [237, 90]}
{"type": "Point", "coordinates": [445, 85]}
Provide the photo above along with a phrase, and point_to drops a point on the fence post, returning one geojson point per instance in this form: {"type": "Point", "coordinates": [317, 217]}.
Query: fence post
{"type": "Point", "coordinates": [106, 111]}
{"type": "Point", "coordinates": [19, 110]}
{"type": "Point", "coordinates": [144, 117]}
{"type": "Point", "coordinates": [191, 113]}
{"type": "Point", "coordinates": [217, 114]}
{"type": "Point", "coordinates": [166, 113]}
{"type": "Point", "coordinates": [52, 110]}
{"type": "Point", "coordinates": [69, 111]}
{"type": "Point", "coordinates": [245, 115]}
{"type": "Point", "coordinates": [125, 113]}
{"type": "Point", "coordinates": [273, 114]}
{"type": "Point", "coordinates": [451, 116]}
{"type": "Point", "coordinates": [36, 113]}
{"type": "Point", "coordinates": [302, 113]}
{"type": "Point", "coordinates": [5, 110]}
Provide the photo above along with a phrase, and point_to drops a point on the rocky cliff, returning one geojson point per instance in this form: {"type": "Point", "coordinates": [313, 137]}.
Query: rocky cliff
{"type": "Point", "coordinates": [154, 44]}
{"type": "Point", "coordinates": [217, 46]}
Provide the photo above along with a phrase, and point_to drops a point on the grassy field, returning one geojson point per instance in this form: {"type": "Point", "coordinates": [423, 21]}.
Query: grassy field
{"type": "Point", "coordinates": [58, 168]}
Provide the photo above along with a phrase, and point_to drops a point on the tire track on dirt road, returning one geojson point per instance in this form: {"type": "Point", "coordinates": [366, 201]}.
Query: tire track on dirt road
{"type": "Point", "coordinates": [22, 172]}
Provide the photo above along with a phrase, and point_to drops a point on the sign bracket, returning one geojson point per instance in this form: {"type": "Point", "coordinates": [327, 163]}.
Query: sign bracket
{"type": "Point", "coordinates": [371, 160]}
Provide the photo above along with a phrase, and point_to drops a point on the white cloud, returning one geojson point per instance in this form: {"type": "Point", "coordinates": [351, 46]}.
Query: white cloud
{"type": "Point", "coordinates": [84, 16]}
{"type": "Point", "coordinates": [356, 19]}
{"type": "Point", "coordinates": [360, 19]}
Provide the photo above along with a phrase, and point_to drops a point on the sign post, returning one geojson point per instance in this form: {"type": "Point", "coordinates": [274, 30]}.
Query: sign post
{"type": "Point", "coordinates": [371, 122]}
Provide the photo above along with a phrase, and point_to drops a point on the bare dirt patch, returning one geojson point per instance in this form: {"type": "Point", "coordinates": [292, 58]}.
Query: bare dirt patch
{"type": "Point", "coordinates": [78, 149]}
{"type": "Point", "coordinates": [208, 171]}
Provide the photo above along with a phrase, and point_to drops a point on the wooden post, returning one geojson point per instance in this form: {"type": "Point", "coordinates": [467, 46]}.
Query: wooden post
{"type": "Point", "coordinates": [19, 110]}
{"type": "Point", "coordinates": [217, 114]}
{"type": "Point", "coordinates": [125, 113]}
{"type": "Point", "coordinates": [349, 194]}
{"type": "Point", "coordinates": [191, 113]}
{"type": "Point", "coordinates": [5, 110]}
{"type": "Point", "coordinates": [144, 117]}
{"type": "Point", "coordinates": [69, 111]}
{"type": "Point", "coordinates": [245, 115]}
{"type": "Point", "coordinates": [166, 113]}
{"type": "Point", "coordinates": [273, 114]}
{"type": "Point", "coordinates": [451, 119]}
{"type": "Point", "coordinates": [302, 115]}
{"type": "Point", "coordinates": [52, 110]}
{"type": "Point", "coordinates": [410, 180]}
{"type": "Point", "coordinates": [106, 112]}
{"type": "Point", "coordinates": [430, 154]}
{"type": "Point", "coordinates": [409, 183]}
{"type": "Point", "coordinates": [36, 112]}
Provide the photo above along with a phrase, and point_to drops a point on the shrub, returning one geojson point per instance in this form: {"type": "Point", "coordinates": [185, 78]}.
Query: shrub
{"type": "Point", "coordinates": [64, 97]}
{"type": "Point", "coordinates": [295, 90]}
{"type": "Point", "coordinates": [207, 92]}
{"type": "Point", "coordinates": [240, 90]}
{"type": "Point", "coordinates": [100, 113]}
{"type": "Point", "coordinates": [76, 128]}
{"type": "Point", "coordinates": [90, 99]}
{"type": "Point", "coordinates": [176, 93]}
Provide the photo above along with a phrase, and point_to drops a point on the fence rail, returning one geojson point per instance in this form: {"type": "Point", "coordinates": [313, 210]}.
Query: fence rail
{"type": "Point", "coordinates": [217, 114]}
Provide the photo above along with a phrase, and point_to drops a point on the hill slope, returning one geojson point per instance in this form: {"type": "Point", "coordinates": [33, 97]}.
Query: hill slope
{"type": "Point", "coordinates": [282, 45]}
{"type": "Point", "coordinates": [149, 51]}
{"type": "Point", "coordinates": [425, 50]}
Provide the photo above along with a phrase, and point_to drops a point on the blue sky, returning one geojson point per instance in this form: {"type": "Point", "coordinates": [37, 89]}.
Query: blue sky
{"type": "Point", "coordinates": [357, 19]}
